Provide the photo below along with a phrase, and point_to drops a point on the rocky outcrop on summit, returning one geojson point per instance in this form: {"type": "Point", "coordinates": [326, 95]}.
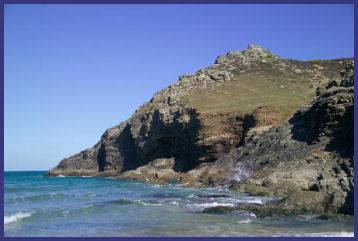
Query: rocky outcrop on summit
{"type": "Point", "coordinates": [222, 71]}
{"type": "Point", "coordinates": [197, 123]}
{"type": "Point", "coordinates": [247, 57]}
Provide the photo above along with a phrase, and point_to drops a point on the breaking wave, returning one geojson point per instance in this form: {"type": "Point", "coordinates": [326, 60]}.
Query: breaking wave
{"type": "Point", "coordinates": [16, 217]}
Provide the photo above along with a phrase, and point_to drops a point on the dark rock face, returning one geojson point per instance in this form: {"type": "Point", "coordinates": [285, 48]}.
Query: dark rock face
{"type": "Point", "coordinates": [175, 138]}
{"type": "Point", "coordinates": [330, 118]}
{"type": "Point", "coordinates": [83, 163]}
{"type": "Point", "coordinates": [174, 132]}
{"type": "Point", "coordinates": [264, 210]}
{"type": "Point", "coordinates": [312, 152]}
{"type": "Point", "coordinates": [164, 133]}
{"type": "Point", "coordinates": [261, 152]}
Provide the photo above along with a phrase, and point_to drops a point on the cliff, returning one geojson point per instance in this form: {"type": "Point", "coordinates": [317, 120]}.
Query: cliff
{"type": "Point", "coordinates": [253, 121]}
{"type": "Point", "coordinates": [307, 160]}
{"type": "Point", "coordinates": [201, 117]}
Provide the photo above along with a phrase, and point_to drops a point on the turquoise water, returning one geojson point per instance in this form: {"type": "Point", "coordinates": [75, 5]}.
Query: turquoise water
{"type": "Point", "coordinates": [36, 205]}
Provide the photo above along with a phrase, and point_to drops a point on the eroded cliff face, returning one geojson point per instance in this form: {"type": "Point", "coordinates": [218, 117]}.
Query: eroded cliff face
{"type": "Point", "coordinates": [200, 119]}
{"type": "Point", "coordinates": [177, 132]}
{"type": "Point", "coordinates": [307, 160]}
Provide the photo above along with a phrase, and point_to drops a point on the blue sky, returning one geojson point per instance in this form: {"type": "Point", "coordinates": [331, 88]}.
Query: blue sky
{"type": "Point", "coordinates": [71, 71]}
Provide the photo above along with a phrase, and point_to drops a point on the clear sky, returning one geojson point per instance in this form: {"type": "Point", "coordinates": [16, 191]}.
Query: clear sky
{"type": "Point", "coordinates": [71, 71]}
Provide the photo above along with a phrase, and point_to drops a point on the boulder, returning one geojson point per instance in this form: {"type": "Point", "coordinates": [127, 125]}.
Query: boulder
{"type": "Point", "coordinates": [158, 170]}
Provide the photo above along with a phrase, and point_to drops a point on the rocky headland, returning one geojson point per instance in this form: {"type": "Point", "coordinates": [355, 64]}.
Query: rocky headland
{"type": "Point", "coordinates": [253, 122]}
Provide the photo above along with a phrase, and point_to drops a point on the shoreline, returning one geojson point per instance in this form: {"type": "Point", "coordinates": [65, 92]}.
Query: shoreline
{"type": "Point", "coordinates": [281, 206]}
{"type": "Point", "coordinates": [106, 203]}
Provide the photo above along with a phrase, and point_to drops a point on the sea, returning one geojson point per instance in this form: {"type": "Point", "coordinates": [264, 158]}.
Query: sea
{"type": "Point", "coordinates": [36, 205]}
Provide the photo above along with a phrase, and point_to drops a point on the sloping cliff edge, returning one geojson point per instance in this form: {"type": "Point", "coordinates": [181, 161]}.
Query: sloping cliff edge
{"type": "Point", "coordinates": [304, 156]}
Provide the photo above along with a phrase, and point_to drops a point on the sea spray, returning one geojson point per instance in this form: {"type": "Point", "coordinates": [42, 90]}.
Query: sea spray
{"type": "Point", "coordinates": [241, 171]}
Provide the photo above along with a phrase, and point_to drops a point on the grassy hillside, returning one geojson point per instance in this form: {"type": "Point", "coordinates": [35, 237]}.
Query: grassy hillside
{"type": "Point", "coordinates": [246, 93]}
{"type": "Point", "coordinates": [287, 87]}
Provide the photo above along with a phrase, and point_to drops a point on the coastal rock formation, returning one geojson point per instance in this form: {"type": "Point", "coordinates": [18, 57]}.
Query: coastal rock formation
{"type": "Point", "coordinates": [231, 124]}
{"type": "Point", "coordinates": [158, 170]}
{"type": "Point", "coordinates": [308, 160]}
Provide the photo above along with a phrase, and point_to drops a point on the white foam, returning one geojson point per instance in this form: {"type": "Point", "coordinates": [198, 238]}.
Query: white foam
{"type": "Point", "coordinates": [16, 217]}
{"type": "Point", "coordinates": [149, 204]}
{"type": "Point", "coordinates": [174, 203]}
{"type": "Point", "coordinates": [319, 234]}
{"type": "Point", "coordinates": [245, 221]}
{"type": "Point", "coordinates": [253, 200]}
{"type": "Point", "coordinates": [331, 234]}
{"type": "Point", "coordinates": [257, 200]}
{"type": "Point", "coordinates": [208, 205]}
{"type": "Point", "coordinates": [61, 176]}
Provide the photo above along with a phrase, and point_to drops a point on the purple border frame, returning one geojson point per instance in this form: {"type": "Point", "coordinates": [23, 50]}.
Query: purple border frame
{"type": "Point", "coordinates": [3, 2]}
{"type": "Point", "coordinates": [178, 1]}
